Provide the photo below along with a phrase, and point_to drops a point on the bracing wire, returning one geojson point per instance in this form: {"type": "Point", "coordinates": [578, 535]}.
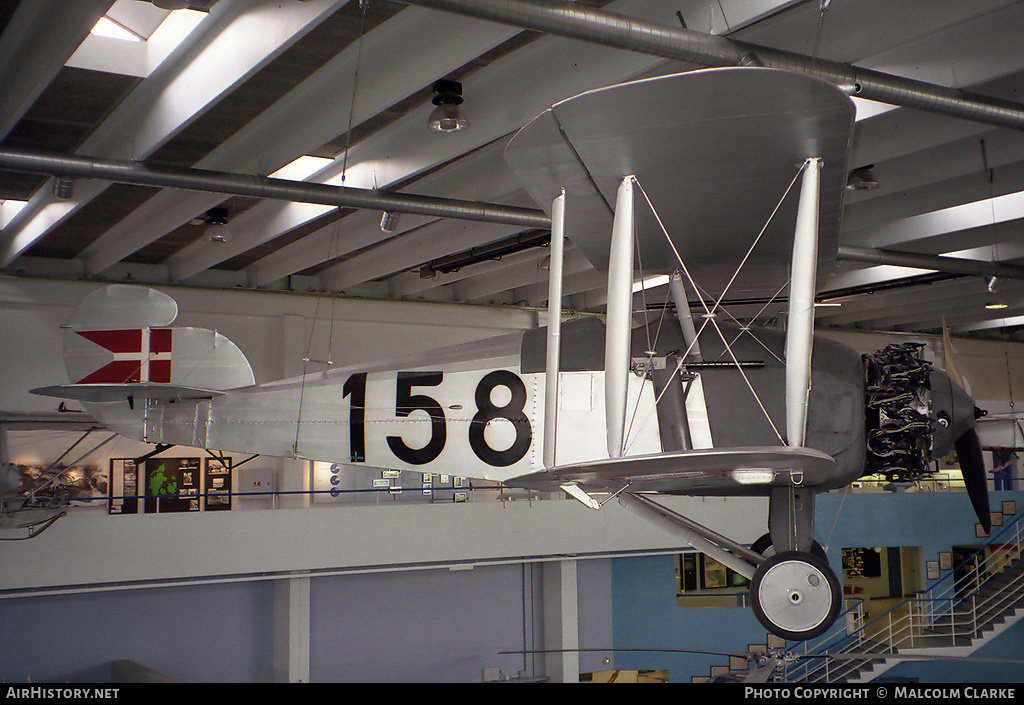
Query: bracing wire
{"type": "Point", "coordinates": [710, 314]}
{"type": "Point", "coordinates": [822, 6]}
{"type": "Point", "coordinates": [650, 355]}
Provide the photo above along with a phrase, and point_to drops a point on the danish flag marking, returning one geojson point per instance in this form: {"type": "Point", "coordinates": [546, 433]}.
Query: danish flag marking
{"type": "Point", "coordinates": [140, 355]}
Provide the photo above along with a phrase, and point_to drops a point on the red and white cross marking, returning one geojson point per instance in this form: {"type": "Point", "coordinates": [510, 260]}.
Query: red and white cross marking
{"type": "Point", "coordinates": [140, 355]}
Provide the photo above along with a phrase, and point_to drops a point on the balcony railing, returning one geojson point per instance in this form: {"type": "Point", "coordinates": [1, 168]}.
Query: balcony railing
{"type": "Point", "coordinates": [953, 611]}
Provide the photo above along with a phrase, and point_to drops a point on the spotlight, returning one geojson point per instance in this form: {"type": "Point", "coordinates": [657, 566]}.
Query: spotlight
{"type": "Point", "coordinates": [389, 222]}
{"type": "Point", "coordinates": [215, 221]}
{"type": "Point", "coordinates": [447, 116]}
{"type": "Point", "coordinates": [63, 186]}
{"type": "Point", "coordinates": [861, 179]}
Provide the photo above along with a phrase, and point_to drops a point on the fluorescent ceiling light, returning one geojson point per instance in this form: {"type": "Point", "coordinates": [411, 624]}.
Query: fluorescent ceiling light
{"type": "Point", "coordinates": [301, 168]}
{"type": "Point", "coordinates": [753, 476]}
{"type": "Point", "coordinates": [9, 209]}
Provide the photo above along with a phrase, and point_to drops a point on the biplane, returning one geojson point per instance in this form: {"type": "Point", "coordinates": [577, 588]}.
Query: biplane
{"type": "Point", "coordinates": [728, 183]}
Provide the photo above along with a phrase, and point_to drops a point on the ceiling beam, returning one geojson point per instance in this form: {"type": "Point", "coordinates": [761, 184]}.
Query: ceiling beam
{"type": "Point", "coordinates": [635, 35]}
{"type": "Point", "coordinates": [325, 194]}
{"type": "Point", "coordinates": [41, 36]}
{"type": "Point", "coordinates": [238, 42]}
{"type": "Point", "coordinates": [394, 60]}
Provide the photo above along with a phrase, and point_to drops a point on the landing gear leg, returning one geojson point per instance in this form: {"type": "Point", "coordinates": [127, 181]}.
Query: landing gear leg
{"type": "Point", "coordinates": [791, 518]}
{"type": "Point", "coordinates": [794, 593]}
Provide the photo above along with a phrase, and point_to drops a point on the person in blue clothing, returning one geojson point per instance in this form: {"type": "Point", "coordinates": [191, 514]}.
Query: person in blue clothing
{"type": "Point", "coordinates": [1003, 464]}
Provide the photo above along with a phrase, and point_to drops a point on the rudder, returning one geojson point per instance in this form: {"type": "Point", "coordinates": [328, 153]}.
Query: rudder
{"type": "Point", "coordinates": [121, 352]}
{"type": "Point", "coordinates": [121, 334]}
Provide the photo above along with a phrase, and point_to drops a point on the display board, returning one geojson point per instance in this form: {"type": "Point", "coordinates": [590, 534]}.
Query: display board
{"type": "Point", "coordinates": [167, 485]}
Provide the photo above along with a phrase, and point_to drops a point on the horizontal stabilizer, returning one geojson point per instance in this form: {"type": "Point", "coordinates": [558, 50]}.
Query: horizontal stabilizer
{"type": "Point", "coordinates": [710, 468]}
{"type": "Point", "coordinates": [122, 392]}
{"type": "Point", "coordinates": [43, 420]}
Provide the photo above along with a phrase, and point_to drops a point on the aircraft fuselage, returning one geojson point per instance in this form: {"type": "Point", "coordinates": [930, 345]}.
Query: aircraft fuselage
{"type": "Point", "coordinates": [477, 410]}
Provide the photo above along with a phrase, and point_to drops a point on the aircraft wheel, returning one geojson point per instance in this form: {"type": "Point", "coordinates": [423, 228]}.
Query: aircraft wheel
{"type": "Point", "coordinates": [795, 595]}
{"type": "Point", "coordinates": [765, 547]}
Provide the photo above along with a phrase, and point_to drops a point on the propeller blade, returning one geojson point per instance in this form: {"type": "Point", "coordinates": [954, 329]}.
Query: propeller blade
{"type": "Point", "coordinates": [972, 465]}
{"type": "Point", "coordinates": [949, 358]}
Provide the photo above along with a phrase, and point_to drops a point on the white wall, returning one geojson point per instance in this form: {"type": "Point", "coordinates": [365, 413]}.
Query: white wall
{"type": "Point", "coordinates": [91, 550]}
{"type": "Point", "coordinates": [275, 331]}
{"type": "Point", "coordinates": [992, 369]}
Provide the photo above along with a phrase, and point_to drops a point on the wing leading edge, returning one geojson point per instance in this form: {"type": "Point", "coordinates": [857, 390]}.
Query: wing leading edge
{"type": "Point", "coordinates": [744, 471]}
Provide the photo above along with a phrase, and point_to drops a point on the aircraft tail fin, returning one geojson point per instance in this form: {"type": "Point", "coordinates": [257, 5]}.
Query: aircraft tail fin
{"type": "Point", "coordinates": [119, 346]}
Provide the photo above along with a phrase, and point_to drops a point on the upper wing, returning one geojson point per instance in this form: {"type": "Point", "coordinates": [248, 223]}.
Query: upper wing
{"type": "Point", "coordinates": [740, 470]}
{"type": "Point", "coordinates": [714, 150]}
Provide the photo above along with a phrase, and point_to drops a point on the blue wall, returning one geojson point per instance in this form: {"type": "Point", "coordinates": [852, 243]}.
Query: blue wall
{"type": "Point", "coordinates": [643, 589]}
{"type": "Point", "coordinates": [429, 626]}
{"type": "Point", "coordinates": [443, 626]}
{"type": "Point", "coordinates": [645, 616]}
{"type": "Point", "coordinates": [438, 625]}
{"type": "Point", "coordinates": [417, 626]}
{"type": "Point", "coordinates": [208, 633]}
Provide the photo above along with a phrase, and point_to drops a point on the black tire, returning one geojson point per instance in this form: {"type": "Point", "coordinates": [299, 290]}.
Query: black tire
{"type": "Point", "coordinates": [763, 544]}
{"type": "Point", "coordinates": [789, 598]}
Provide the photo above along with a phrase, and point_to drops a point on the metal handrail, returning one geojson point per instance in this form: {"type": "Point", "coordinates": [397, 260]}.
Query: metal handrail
{"type": "Point", "coordinates": [911, 620]}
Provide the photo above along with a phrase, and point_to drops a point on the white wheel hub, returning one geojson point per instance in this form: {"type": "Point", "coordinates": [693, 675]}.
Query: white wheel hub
{"type": "Point", "coordinates": [795, 595]}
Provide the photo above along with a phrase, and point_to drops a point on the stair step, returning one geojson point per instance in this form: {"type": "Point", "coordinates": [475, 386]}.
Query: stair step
{"type": "Point", "coordinates": [976, 610]}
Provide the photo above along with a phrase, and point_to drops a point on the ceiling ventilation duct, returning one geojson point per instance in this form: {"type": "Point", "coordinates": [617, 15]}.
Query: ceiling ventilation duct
{"type": "Point", "coordinates": [586, 24]}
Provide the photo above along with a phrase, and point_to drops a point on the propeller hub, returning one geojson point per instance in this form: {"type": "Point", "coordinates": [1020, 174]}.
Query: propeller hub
{"type": "Point", "coordinates": [952, 410]}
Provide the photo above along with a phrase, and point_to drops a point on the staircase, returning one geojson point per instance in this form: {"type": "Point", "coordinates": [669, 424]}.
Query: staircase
{"type": "Point", "coordinates": [738, 666]}
{"type": "Point", "coordinates": [970, 624]}
{"type": "Point", "coordinates": [955, 616]}
{"type": "Point", "coordinates": [976, 602]}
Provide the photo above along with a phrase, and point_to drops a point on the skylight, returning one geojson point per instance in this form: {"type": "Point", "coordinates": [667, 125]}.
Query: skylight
{"type": "Point", "coordinates": [107, 27]}
{"type": "Point", "coordinates": [301, 168]}
{"type": "Point", "coordinates": [870, 108]}
{"type": "Point", "coordinates": [9, 209]}
{"type": "Point", "coordinates": [133, 38]}
{"type": "Point", "coordinates": [650, 282]}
